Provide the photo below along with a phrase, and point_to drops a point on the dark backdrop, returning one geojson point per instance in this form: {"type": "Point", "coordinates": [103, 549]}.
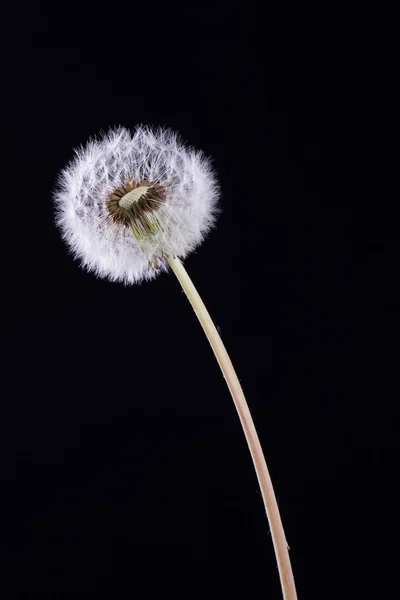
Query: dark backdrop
{"type": "Point", "coordinates": [124, 471]}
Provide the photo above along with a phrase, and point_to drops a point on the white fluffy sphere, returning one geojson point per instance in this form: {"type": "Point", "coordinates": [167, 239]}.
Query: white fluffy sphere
{"type": "Point", "coordinates": [186, 213]}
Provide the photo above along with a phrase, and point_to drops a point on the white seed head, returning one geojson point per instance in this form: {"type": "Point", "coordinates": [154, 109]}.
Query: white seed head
{"type": "Point", "coordinates": [129, 200]}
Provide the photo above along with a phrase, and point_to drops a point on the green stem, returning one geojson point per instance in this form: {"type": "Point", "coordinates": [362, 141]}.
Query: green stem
{"type": "Point", "coordinates": [264, 479]}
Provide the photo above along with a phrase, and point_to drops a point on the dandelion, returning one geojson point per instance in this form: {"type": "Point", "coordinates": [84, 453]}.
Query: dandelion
{"type": "Point", "coordinates": [131, 205]}
{"type": "Point", "coordinates": [128, 201]}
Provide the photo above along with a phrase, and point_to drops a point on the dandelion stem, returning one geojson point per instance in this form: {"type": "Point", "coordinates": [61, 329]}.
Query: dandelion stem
{"type": "Point", "coordinates": [264, 479]}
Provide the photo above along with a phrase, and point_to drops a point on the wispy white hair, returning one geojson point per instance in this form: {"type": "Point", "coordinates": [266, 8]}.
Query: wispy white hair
{"type": "Point", "coordinates": [104, 246]}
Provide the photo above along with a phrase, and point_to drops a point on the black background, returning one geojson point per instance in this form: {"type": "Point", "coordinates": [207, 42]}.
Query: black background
{"type": "Point", "coordinates": [124, 471]}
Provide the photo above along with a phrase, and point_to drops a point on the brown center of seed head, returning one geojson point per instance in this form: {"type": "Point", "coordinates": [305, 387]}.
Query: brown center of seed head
{"type": "Point", "coordinates": [134, 205]}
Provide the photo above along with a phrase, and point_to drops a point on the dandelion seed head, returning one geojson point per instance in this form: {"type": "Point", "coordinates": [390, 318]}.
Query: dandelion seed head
{"type": "Point", "coordinates": [128, 200]}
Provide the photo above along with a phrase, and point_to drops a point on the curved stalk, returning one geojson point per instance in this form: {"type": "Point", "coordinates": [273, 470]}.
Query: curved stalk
{"type": "Point", "coordinates": [264, 479]}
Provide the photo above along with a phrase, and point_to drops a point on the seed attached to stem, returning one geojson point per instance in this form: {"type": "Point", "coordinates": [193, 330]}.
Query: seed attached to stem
{"type": "Point", "coordinates": [135, 205]}
{"type": "Point", "coordinates": [135, 195]}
